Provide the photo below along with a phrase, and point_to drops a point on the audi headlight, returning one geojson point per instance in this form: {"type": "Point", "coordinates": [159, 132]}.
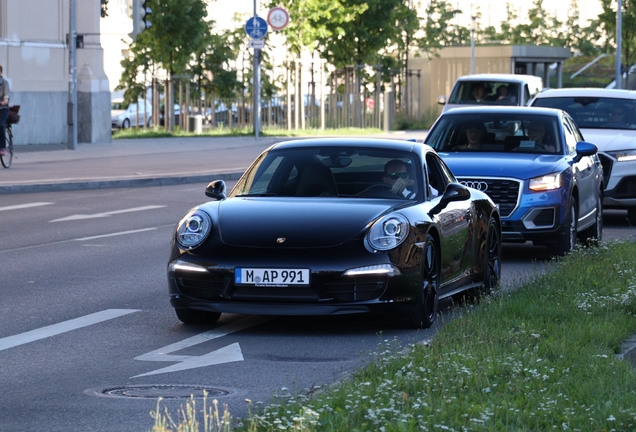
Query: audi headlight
{"type": "Point", "coordinates": [387, 233]}
{"type": "Point", "coordinates": [193, 229]}
{"type": "Point", "coordinates": [624, 155]}
{"type": "Point", "coordinates": [546, 182]}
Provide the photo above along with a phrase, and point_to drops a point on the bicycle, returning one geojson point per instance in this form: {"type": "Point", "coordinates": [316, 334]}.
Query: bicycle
{"type": "Point", "coordinates": [13, 118]}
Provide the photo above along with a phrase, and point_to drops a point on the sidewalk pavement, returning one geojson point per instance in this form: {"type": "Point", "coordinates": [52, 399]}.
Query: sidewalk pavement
{"type": "Point", "coordinates": [137, 162]}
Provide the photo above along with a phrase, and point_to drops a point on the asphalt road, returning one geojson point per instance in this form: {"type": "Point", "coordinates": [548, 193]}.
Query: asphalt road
{"type": "Point", "coordinates": [86, 329]}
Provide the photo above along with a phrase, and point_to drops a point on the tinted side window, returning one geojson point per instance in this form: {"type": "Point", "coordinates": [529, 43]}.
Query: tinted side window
{"type": "Point", "coordinates": [526, 94]}
{"type": "Point", "coordinates": [570, 138]}
{"type": "Point", "coordinates": [438, 177]}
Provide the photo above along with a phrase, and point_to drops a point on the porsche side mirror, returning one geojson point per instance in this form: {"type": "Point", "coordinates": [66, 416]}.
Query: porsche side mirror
{"type": "Point", "coordinates": [216, 190]}
{"type": "Point", "coordinates": [584, 149]}
{"type": "Point", "coordinates": [441, 100]}
{"type": "Point", "coordinates": [455, 192]}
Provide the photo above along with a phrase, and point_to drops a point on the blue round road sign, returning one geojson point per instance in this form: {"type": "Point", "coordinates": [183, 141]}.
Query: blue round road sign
{"type": "Point", "coordinates": [256, 27]}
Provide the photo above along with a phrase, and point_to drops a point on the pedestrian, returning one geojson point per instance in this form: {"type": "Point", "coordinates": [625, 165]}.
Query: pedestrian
{"type": "Point", "coordinates": [4, 111]}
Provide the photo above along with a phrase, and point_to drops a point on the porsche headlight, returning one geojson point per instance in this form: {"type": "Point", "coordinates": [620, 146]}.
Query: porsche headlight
{"type": "Point", "coordinates": [387, 233]}
{"type": "Point", "coordinates": [624, 155]}
{"type": "Point", "coordinates": [546, 182]}
{"type": "Point", "coordinates": [193, 229]}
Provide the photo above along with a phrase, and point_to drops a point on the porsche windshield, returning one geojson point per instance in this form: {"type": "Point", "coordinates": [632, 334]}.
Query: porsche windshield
{"type": "Point", "coordinates": [496, 133]}
{"type": "Point", "coordinates": [332, 171]}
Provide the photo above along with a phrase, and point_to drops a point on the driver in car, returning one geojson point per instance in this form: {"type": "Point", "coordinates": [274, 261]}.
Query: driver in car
{"type": "Point", "coordinates": [396, 174]}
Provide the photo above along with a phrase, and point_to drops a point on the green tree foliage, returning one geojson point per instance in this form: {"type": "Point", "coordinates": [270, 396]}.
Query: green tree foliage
{"type": "Point", "coordinates": [373, 30]}
{"type": "Point", "coordinates": [182, 42]}
{"type": "Point", "coordinates": [439, 29]}
{"type": "Point", "coordinates": [543, 28]}
{"type": "Point", "coordinates": [179, 30]}
{"type": "Point", "coordinates": [134, 69]}
{"type": "Point", "coordinates": [605, 27]}
{"type": "Point", "coordinates": [211, 66]}
{"type": "Point", "coordinates": [312, 21]}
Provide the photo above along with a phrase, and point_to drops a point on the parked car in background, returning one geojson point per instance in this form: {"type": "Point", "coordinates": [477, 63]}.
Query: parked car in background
{"type": "Point", "coordinates": [335, 226]}
{"type": "Point", "coordinates": [492, 89]}
{"type": "Point", "coordinates": [607, 118]}
{"type": "Point", "coordinates": [124, 117]}
{"type": "Point", "coordinates": [548, 186]}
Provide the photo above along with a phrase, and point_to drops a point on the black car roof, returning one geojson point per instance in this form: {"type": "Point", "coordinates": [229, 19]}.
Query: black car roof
{"type": "Point", "coordinates": [395, 144]}
{"type": "Point", "coordinates": [503, 110]}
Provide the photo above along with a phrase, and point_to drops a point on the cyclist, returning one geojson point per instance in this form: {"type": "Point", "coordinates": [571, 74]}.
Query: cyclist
{"type": "Point", "coordinates": [4, 111]}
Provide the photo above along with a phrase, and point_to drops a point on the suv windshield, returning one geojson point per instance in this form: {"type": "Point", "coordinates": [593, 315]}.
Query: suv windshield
{"type": "Point", "coordinates": [486, 92]}
{"type": "Point", "coordinates": [496, 133]}
{"type": "Point", "coordinates": [595, 112]}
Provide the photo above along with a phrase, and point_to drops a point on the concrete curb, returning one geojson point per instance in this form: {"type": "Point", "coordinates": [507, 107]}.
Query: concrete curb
{"type": "Point", "coordinates": [112, 184]}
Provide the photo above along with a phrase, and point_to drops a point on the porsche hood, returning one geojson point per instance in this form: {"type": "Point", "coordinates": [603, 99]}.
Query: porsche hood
{"type": "Point", "coordinates": [295, 222]}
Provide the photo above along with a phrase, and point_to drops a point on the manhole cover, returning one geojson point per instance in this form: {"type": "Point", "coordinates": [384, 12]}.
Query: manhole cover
{"type": "Point", "coordinates": [154, 391]}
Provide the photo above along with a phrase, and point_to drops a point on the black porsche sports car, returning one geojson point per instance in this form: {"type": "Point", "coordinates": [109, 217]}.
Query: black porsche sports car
{"type": "Point", "coordinates": [336, 226]}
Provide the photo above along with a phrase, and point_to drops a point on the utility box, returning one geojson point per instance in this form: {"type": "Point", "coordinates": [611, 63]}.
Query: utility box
{"type": "Point", "coordinates": [196, 124]}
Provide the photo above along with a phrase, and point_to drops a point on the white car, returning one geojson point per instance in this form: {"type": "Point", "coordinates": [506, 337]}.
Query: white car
{"type": "Point", "coordinates": [492, 89]}
{"type": "Point", "coordinates": [607, 118]}
{"type": "Point", "coordinates": [125, 117]}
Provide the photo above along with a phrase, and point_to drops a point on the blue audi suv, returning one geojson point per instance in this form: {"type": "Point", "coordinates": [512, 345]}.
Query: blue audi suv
{"type": "Point", "coordinates": [534, 164]}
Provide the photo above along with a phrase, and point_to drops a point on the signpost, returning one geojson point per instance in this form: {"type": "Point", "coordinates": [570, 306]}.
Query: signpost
{"type": "Point", "coordinates": [257, 43]}
{"type": "Point", "coordinates": [278, 18]}
{"type": "Point", "coordinates": [256, 27]}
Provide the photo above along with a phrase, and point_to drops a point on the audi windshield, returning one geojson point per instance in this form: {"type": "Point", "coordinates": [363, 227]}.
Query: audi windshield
{"type": "Point", "coordinates": [496, 132]}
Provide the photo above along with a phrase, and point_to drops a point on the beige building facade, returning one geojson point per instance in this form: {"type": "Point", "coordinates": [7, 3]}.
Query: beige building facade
{"type": "Point", "coordinates": [438, 74]}
{"type": "Point", "coordinates": [35, 57]}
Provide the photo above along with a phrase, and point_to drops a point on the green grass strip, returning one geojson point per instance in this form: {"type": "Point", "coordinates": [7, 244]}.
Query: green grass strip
{"type": "Point", "coordinates": [539, 358]}
{"type": "Point", "coordinates": [240, 132]}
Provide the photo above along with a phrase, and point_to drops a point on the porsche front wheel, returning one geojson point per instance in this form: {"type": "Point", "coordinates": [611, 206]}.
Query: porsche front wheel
{"type": "Point", "coordinates": [428, 297]}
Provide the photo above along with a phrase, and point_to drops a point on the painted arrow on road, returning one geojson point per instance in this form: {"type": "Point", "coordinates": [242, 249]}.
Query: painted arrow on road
{"type": "Point", "coordinates": [230, 353]}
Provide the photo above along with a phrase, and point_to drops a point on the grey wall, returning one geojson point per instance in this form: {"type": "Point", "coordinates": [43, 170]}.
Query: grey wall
{"type": "Point", "coordinates": [43, 117]}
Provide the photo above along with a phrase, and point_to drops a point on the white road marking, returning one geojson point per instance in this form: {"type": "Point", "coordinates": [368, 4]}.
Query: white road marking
{"type": "Point", "coordinates": [115, 234]}
{"type": "Point", "coordinates": [24, 206]}
{"type": "Point", "coordinates": [107, 214]}
{"type": "Point", "coordinates": [227, 354]}
{"type": "Point", "coordinates": [63, 327]}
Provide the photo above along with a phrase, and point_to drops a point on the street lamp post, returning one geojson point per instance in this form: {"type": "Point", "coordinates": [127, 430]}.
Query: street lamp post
{"type": "Point", "coordinates": [619, 37]}
{"type": "Point", "coordinates": [72, 84]}
{"type": "Point", "coordinates": [472, 44]}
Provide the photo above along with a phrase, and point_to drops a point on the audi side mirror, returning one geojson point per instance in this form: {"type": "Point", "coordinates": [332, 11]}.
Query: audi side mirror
{"type": "Point", "coordinates": [584, 149]}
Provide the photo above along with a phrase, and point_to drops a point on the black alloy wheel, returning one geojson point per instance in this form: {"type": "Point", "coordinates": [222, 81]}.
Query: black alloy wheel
{"type": "Point", "coordinates": [593, 235]}
{"type": "Point", "coordinates": [566, 242]}
{"type": "Point", "coordinates": [492, 258]}
{"type": "Point", "coordinates": [428, 298]}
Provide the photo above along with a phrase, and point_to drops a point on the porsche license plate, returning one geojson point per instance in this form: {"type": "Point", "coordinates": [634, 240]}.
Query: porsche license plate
{"type": "Point", "coordinates": [271, 277]}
